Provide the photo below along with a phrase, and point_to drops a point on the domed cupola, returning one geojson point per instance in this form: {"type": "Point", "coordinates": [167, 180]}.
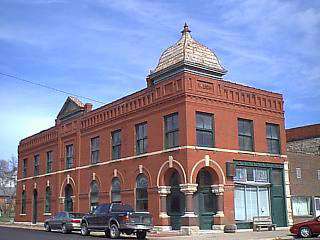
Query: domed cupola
{"type": "Point", "coordinates": [187, 55]}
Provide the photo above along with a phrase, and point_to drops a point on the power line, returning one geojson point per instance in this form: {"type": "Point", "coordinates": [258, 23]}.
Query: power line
{"type": "Point", "coordinates": [51, 88]}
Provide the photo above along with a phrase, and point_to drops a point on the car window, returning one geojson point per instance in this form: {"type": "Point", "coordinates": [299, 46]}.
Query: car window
{"type": "Point", "coordinates": [119, 207]}
{"type": "Point", "coordinates": [76, 215]}
{"type": "Point", "coordinates": [63, 215]}
{"type": "Point", "coordinates": [57, 215]}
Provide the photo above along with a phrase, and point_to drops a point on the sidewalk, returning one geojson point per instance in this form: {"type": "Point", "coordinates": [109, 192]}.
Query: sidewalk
{"type": "Point", "coordinates": [203, 235]}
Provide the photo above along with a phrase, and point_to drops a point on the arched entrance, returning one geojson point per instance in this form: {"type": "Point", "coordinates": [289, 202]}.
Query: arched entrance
{"type": "Point", "coordinates": [115, 190]}
{"type": "Point", "coordinates": [205, 200]}
{"type": "Point", "coordinates": [175, 201]}
{"type": "Point", "coordinates": [68, 202]}
{"type": "Point", "coordinates": [35, 206]}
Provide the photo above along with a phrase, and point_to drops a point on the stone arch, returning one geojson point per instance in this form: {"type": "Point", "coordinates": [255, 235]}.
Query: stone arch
{"type": "Point", "coordinates": [166, 166]}
{"type": "Point", "coordinates": [212, 166]}
{"type": "Point", "coordinates": [146, 172]}
{"type": "Point", "coordinates": [66, 181]}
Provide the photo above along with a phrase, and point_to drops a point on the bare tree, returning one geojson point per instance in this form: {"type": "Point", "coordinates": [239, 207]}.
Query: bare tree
{"type": "Point", "coordinates": [8, 183]}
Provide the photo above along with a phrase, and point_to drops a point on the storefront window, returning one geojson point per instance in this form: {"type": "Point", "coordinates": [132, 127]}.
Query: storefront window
{"type": "Point", "coordinates": [301, 206]}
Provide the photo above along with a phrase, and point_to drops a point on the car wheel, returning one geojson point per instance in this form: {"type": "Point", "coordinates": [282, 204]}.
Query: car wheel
{"type": "Point", "coordinates": [141, 235]}
{"type": "Point", "coordinates": [114, 231]}
{"type": "Point", "coordinates": [47, 227]}
{"type": "Point", "coordinates": [305, 232]}
{"type": "Point", "coordinates": [64, 229]}
{"type": "Point", "coordinates": [84, 229]}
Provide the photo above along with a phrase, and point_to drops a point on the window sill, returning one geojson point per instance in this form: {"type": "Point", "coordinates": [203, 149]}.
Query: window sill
{"type": "Point", "coordinates": [23, 214]}
{"type": "Point", "coordinates": [47, 214]}
{"type": "Point", "coordinates": [303, 216]}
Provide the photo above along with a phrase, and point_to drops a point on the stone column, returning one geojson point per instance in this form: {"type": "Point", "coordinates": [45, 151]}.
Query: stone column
{"type": "Point", "coordinates": [218, 217]}
{"type": "Point", "coordinates": [163, 216]}
{"type": "Point", "coordinates": [190, 223]}
{"type": "Point", "coordinates": [287, 193]}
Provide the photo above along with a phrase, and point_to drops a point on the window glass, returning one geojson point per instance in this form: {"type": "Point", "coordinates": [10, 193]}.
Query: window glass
{"type": "Point", "coordinates": [239, 203]}
{"type": "Point", "coordinates": [240, 174]}
{"type": "Point", "coordinates": [115, 190]}
{"type": "Point", "coordinates": [141, 138]}
{"type": "Point", "coordinates": [116, 144]}
{"type": "Point", "coordinates": [48, 200]}
{"type": "Point", "coordinates": [250, 176]}
{"type": "Point", "coordinates": [142, 193]}
{"type": "Point", "coordinates": [251, 202]}
{"type": "Point", "coordinates": [95, 148]}
{"type": "Point", "coordinates": [49, 161]}
{"type": "Point", "coordinates": [204, 130]}
{"type": "Point", "coordinates": [171, 130]}
{"type": "Point", "coordinates": [261, 175]}
{"type": "Point", "coordinates": [94, 195]}
{"type": "Point", "coordinates": [69, 156]}
{"type": "Point", "coordinates": [23, 202]}
{"type": "Point", "coordinates": [301, 206]}
{"type": "Point", "coordinates": [24, 168]}
{"type": "Point", "coordinates": [245, 134]}
{"type": "Point", "coordinates": [264, 208]}
{"type": "Point", "coordinates": [36, 164]}
{"type": "Point", "coordinates": [273, 138]}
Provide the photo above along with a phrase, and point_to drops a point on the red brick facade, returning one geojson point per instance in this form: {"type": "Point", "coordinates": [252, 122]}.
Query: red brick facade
{"type": "Point", "coordinates": [184, 93]}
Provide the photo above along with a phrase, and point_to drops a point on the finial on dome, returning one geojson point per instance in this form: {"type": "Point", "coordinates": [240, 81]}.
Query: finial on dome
{"type": "Point", "coordinates": [185, 29]}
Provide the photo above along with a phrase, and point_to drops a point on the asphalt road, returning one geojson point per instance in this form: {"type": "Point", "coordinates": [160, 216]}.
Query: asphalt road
{"type": "Point", "coordinates": [9, 233]}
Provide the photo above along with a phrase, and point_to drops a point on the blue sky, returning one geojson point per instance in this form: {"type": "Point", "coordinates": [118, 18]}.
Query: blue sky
{"type": "Point", "coordinates": [105, 49]}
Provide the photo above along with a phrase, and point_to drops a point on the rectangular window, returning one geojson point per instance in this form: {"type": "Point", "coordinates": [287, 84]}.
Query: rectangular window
{"type": "Point", "coordinates": [116, 144]}
{"type": "Point", "coordinates": [36, 164]}
{"type": "Point", "coordinates": [318, 174]}
{"type": "Point", "coordinates": [273, 138]}
{"type": "Point", "coordinates": [251, 174]}
{"type": "Point", "coordinates": [204, 130]}
{"type": "Point", "coordinates": [245, 135]}
{"type": "Point", "coordinates": [69, 156]}
{"type": "Point", "coordinates": [49, 162]}
{"type": "Point", "coordinates": [95, 149]}
{"type": "Point", "coordinates": [251, 201]}
{"type": "Point", "coordinates": [171, 123]}
{"type": "Point", "coordinates": [301, 206]}
{"type": "Point", "coordinates": [298, 172]}
{"type": "Point", "coordinates": [24, 168]}
{"type": "Point", "coordinates": [141, 138]}
{"type": "Point", "coordinates": [23, 202]}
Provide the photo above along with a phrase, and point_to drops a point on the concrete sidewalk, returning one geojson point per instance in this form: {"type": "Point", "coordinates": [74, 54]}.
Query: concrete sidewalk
{"type": "Point", "coordinates": [203, 235]}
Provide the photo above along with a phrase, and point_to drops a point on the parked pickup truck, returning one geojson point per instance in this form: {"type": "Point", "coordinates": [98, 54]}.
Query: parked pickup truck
{"type": "Point", "coordinates": [116, 218]}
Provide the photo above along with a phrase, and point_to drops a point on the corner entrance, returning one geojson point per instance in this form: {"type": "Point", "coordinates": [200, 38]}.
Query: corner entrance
{"type": "Point", "coordinates": [175, 201]}
{"type": "Point", "coordinates": [35, 207]}
{"type": "Point", "coordinates": [205, 200]}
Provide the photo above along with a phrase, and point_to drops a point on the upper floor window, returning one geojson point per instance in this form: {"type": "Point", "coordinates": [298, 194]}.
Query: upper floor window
{"type": "Point", "coordinates": [204, 130]}
{"type": "Point", "coordinates": [273, 138]}
{"type": "Point", "coordinates": [171, 123]}
{"type": "Point", "coordinates": [245, 135]}
{"type": "Point", "coordinates": [49, 162]}
{"type": "Point", "coordinates": [24, 168]}
{"type": "Point", "coordinates": [141, 138]}
{"type": "Point", "coordinates": [116, 144]}
{"type": "Point", "coordinates": [36, 164]}
{"type": "Point", "coordinates": [298, 172]}
{"type": "Point", "coordinates": [69, 156]}
{"type": "Point", "coordinates": [318, 174]}
{"type": "Point", "coordinates": [95, 148]}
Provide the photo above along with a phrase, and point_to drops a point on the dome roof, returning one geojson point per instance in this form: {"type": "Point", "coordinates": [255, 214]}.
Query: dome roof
{"type": "Point", "coordinates": [188, 50]}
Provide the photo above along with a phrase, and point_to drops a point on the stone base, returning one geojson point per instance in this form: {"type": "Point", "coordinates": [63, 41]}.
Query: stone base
{"type": "Point", "coordinates": [189, 219]}
{"type": "Point", "coordinates": [189, 230]}
{"type": "Point", "coordinates": [218, 220]}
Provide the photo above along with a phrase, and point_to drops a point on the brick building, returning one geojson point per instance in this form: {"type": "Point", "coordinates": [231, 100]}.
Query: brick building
{"type": "Point", "coordinates": [193, 149]}
{"type": "Point", "coordinates": [303, 149]}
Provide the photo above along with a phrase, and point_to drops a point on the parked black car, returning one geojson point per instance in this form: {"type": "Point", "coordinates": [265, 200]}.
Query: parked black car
{"type": "Point", "coordinates": [116, 218]}
{"type": "Point", "coordinates": [64, 221]}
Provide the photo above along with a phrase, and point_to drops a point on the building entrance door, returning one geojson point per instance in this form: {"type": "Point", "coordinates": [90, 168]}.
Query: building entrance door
{"type": "Point", "coordinates": [35, 207]}
{"type": "Point", "coordinates": [278, 201]}
{"type": "Point", "coordinates": [175, 202]}
{"type": "Point", "coordinates": [317, 206]}
{"type": "Point", "coordinates": [206, 199]}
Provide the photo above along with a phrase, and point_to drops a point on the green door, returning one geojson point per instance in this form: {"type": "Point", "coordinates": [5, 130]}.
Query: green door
{"type": "Point", "coordinates": [278, 206]}
{"type": "Point", "coordinates": [175, 202]}
{"type": "Point", "coordinates": [206, 199]}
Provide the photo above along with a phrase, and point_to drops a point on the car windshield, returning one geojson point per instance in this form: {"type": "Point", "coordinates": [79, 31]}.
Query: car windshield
{"type": "Point", "coordinates": [119, 207]}
{"type": "Point", "coordinates": [76, 215]}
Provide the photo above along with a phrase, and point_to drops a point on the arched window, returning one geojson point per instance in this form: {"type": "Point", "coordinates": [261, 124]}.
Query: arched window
{"type": "Point", "coordinates": [23, 202]}
{"type": "Point", "coordinates": [48, 200]}
{"type": "Point", "coordinates": [142, 193]}
{"type": "Point", "coordinates": [94, 195]}
{"type": "Point", "coordinates": [115, 190]}
{"type": "Point", "coordinates": [68, 202]}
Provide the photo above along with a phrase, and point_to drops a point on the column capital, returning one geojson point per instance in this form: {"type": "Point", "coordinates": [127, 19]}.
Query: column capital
{"type": "Point", "coordinates": [188, 188]}
{"type": "Point", "coordinates": [164, 190]}
{"type": "Point", "coordinates": [218, 189]}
